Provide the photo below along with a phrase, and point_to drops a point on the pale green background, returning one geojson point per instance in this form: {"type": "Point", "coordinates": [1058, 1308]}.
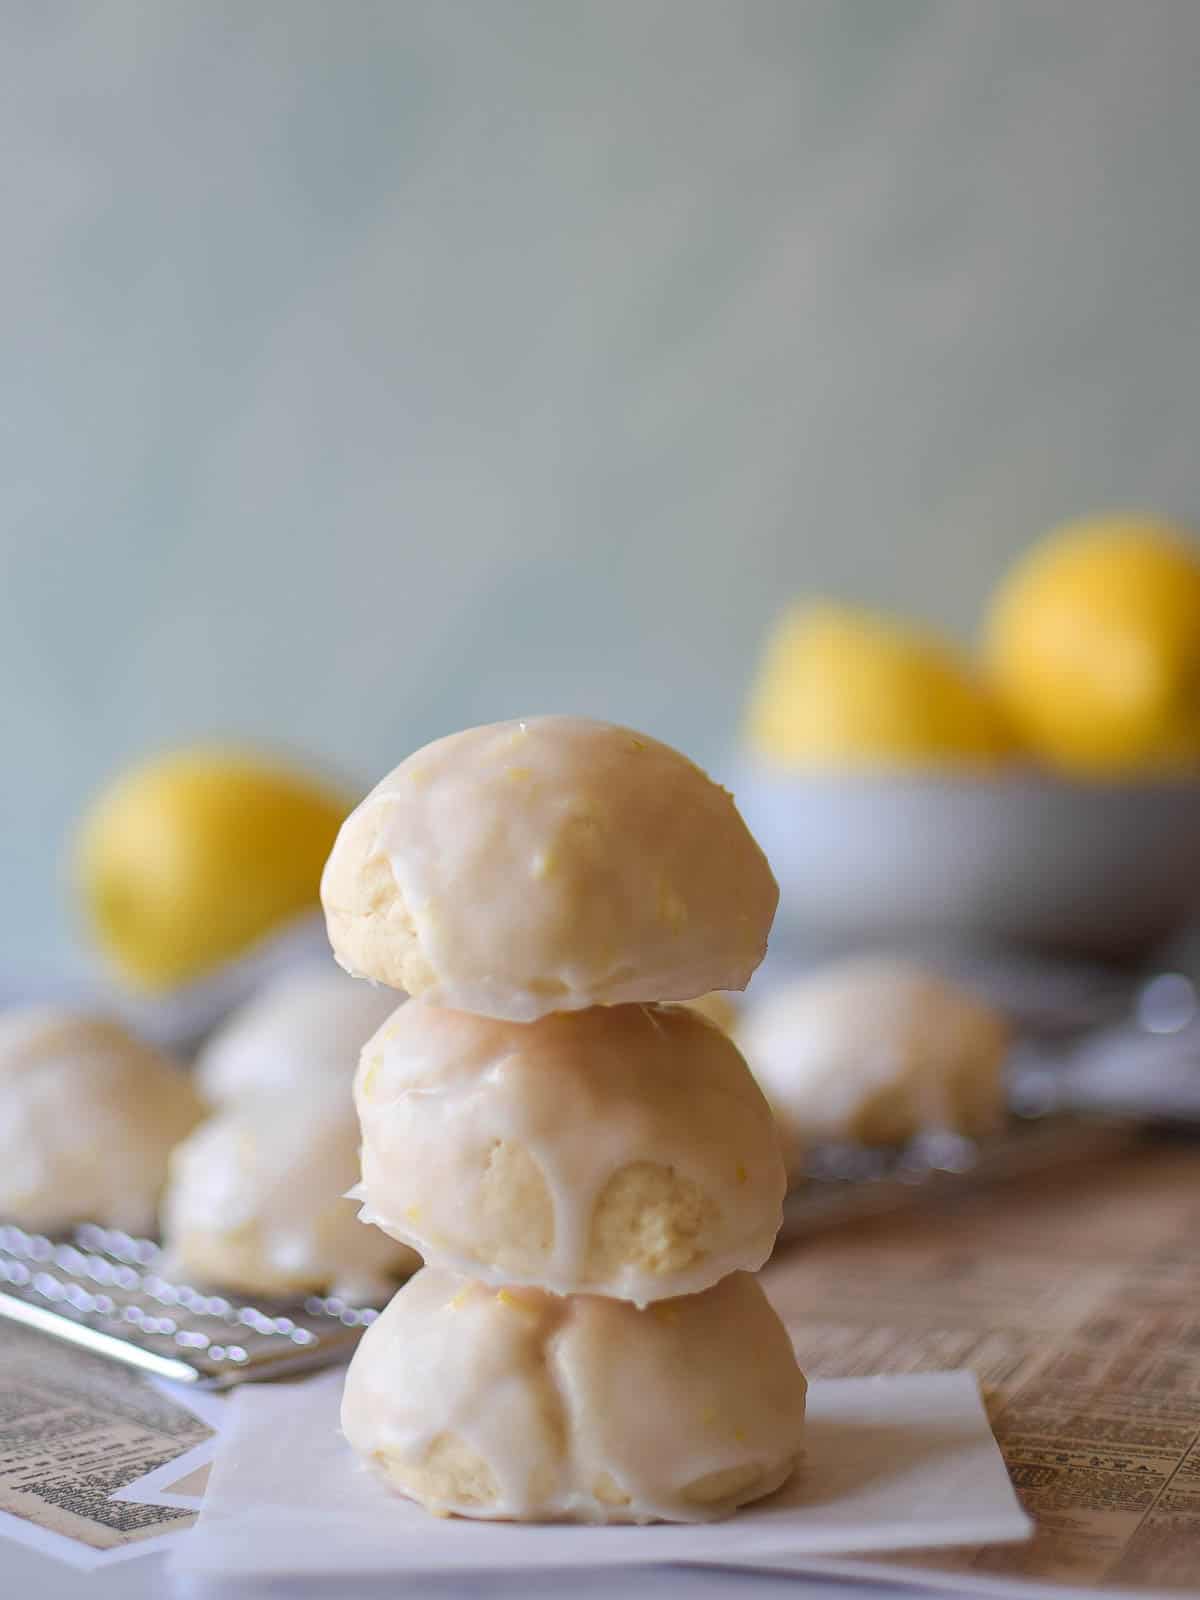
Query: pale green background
{"type": "Point", "coordinates": [375, 368]}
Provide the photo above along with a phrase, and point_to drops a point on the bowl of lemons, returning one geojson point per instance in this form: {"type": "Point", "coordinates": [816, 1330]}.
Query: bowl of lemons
{"type": "Point", "coordinates": [1042, 794]}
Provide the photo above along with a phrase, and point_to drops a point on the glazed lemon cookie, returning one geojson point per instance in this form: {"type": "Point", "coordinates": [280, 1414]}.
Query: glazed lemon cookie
{"type": "Point", "coordinates": [517, 1404]}
{"type": "Point", "coordinates": [88, 1115]}
{"type": "Point", "coordinates": [548, 865]}
{"type": "Point", "coordinates": [256, 1201]}
{"type": "Point", "coordinates": [876, 1050]}
{"type": "Point", "coordinates": [624, 1151]}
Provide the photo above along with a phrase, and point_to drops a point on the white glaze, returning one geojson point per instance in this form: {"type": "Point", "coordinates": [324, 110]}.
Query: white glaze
{"type": "Point", "coordinates": [558, 1396]}
{"type": "Point", "coordinates": [585, 1093]}
{"type": "Point", "coordinates": [551, 865]}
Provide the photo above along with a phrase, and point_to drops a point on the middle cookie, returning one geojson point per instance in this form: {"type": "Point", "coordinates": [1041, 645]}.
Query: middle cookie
{"type": "Point", "coordinates": [623, 1151]}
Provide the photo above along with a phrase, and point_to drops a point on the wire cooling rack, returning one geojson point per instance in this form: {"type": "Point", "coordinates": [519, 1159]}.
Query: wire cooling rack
{"type": "Point", "coordinates": [109, 1293]}
{"type": "Point", "coordinates": [844, 1183]}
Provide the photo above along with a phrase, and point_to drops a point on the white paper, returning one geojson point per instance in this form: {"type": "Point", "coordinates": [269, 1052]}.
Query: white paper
{"type": "Point", "coordinates": [930, 1582]}
{"type": "Point", "coordinates": [157, 1488]}
{"type": "Point", "coordinates": [892, 1463]}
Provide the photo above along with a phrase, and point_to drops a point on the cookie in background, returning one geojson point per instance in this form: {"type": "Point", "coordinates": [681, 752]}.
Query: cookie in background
{"type": "Point", "coordinates": [256, 1200]}
{"type": "Point", "coordinates": [875, 1051]}
{"type": "Point", "coordinates": [302, 1030]}
{"type": "Point", "coordinates": [88, 1117]}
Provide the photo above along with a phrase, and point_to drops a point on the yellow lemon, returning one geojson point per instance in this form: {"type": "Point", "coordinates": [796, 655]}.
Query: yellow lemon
{"type": "Point", "coordinates": [1093, 644]}
{"type": "Point", "coordinates": [842, 688]}
{"type": "Point", "coordinates": [188, 859]}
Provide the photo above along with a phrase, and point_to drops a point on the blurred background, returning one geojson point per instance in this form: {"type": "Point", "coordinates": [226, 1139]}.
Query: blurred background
{"type": "Point", "coordinates": [380, 368]}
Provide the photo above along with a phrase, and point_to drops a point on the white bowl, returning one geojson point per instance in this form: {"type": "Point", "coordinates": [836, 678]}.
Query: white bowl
{"type": "Point", "coordinates": [1027, 859]}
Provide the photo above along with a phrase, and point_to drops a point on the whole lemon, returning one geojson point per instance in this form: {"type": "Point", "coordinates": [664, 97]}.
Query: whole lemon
{"type": "Point", "coordinates": [843, 688]}
{"type": "Point", "coordinates": [1093, 644]}
{"type": "Point", "coordinates": [188, 859]}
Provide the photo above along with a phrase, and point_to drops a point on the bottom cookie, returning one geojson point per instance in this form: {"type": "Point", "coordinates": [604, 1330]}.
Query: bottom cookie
{"type": "Point", "coordinates": [518, 1404]}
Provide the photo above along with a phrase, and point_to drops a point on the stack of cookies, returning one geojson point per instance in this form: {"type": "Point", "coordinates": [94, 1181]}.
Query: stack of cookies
{"type": "Point", "coordinates": [589, 1172]}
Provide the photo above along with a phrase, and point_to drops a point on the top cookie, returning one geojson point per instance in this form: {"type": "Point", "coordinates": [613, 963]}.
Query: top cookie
{"type": "Point", "coordinates": [548, 865]}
